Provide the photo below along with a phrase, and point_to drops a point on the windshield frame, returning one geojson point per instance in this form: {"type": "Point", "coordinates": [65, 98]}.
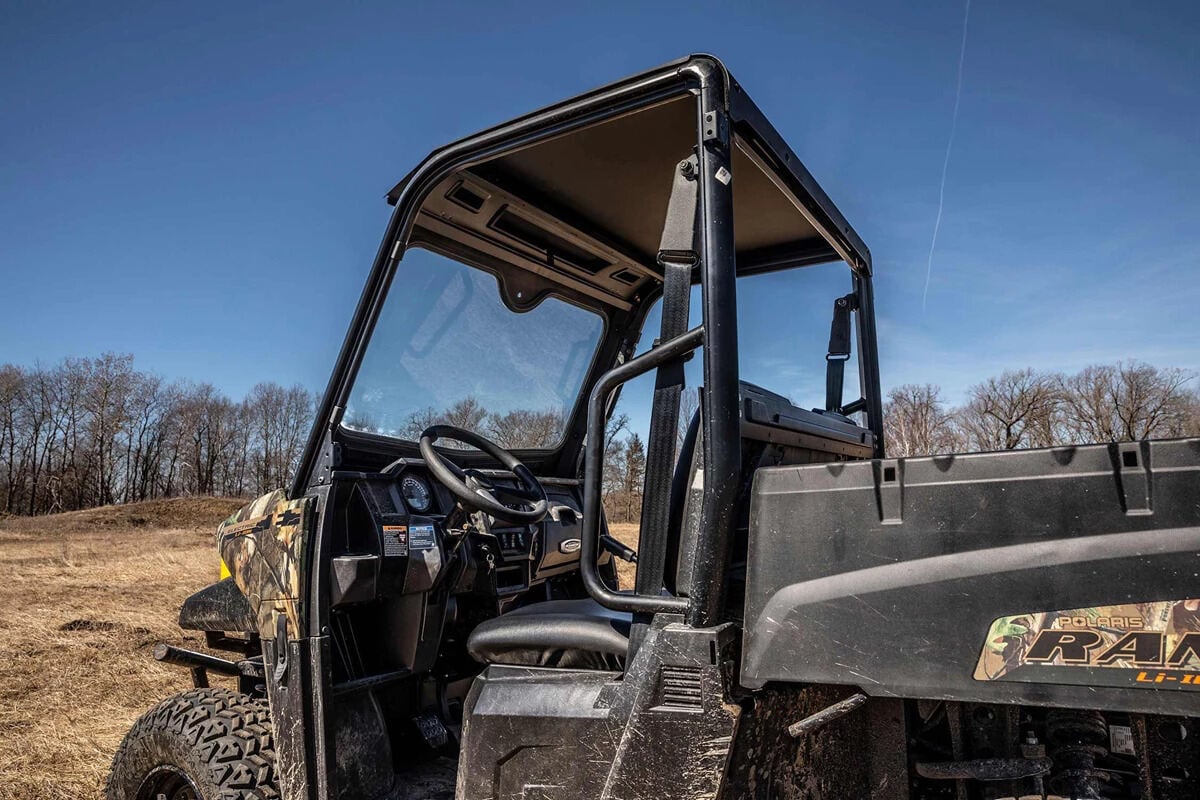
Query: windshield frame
{"type": "Point", "coordinates": [472, 259]}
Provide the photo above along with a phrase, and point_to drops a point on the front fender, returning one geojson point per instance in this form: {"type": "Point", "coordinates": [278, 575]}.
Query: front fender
{"type": "Point", "coordinates": [219, 607]}
{"type": "Point", "coordinates": [264, 545]}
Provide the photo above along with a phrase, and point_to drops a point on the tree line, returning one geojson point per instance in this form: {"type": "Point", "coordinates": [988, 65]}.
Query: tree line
{"type": "Point", "coordinates": [1127, 401]}
{"type": "Point", "coordinates": [96, 431]}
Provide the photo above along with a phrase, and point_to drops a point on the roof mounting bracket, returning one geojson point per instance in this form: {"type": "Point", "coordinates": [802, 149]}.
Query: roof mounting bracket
{"type": "Point", "coordinates": [678, 243]}
{"type": "Point", "coordinates": [716, 124]}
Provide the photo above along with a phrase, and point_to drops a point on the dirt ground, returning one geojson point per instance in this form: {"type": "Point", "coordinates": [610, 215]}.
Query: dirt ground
{"type": "Point", "coordinates": [86, 597]}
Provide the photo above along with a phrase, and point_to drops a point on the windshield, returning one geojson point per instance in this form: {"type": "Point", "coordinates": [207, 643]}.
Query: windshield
{"type": "Point", "coordinates": [447, 350]}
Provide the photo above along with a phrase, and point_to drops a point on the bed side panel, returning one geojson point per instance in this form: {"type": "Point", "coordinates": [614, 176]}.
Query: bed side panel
{"type": "Point", "coordinates": [1064, 576]}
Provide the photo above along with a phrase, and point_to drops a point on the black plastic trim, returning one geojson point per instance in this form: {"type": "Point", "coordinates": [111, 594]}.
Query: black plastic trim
{"type": "Point", "coordinates": [594, 472]}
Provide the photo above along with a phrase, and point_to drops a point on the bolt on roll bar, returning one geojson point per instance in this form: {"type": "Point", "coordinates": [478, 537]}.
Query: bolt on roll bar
{"type": "Point", "coordinates": [593, 473]}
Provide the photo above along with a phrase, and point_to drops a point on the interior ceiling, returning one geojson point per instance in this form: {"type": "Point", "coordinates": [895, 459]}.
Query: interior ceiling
{"type": "Point", "coordinates": [615, 177]}
{"type": "Point", "coordinates": [585, 211]}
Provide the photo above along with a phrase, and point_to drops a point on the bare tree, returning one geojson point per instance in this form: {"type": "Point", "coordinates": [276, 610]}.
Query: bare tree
{"type": "Point", "coordinates": [36, 406]}
{"type": "Point", "coordinates": [76, 466]}
{"type": "Point", "coordinates": [106, 403]}
{"type": "Point", "coordinates": [12, 382]}
{"type": "Point", "coordinates": [526, 428]}
{"type": "Point", "coordinates": [1012, 411]}
{"type": "Point", "coordinates": [1193, 416]}
{"type": "Point", "coordinates": [208, 425]}
{"type": "Point", "coordinates": [614, 460]}
{"type": "Point", "coordinates": [1128, 401]}
{"type": "Point", "coordinates": [467, 413]}
{"type": "Point", "coordinates": [146, 439]}
{"type": "Point", "coordinates": [276, 420]}
{"type": "Point", "coordinates": [916, 422]}
{"type": "Point", "coordinates": [689, 405]}
{"type": "Point", "coordinates": [96, 430]}
{"type": "Point", "coordinates": [91, 431]}
{"type": "Point", "coordinates": [173, 423]}
{"type": "Point", "coordinates": [635, 476]}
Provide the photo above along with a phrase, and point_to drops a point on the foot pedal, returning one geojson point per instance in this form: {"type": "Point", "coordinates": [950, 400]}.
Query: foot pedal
{"type": "Point", "coordinates": [433, 730]}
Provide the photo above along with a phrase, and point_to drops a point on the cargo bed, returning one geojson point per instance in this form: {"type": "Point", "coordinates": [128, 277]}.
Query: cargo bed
{"type": "Point", "coordinates": [1061, 577]}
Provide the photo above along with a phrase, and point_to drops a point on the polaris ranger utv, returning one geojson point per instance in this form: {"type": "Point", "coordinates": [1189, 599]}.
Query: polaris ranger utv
{"type": "Point", "coordinates": [428, 612]}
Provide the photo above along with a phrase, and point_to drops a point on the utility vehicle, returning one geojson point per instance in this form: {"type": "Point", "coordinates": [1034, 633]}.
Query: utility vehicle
{"type": "Point", "coordinates": [431, 608]}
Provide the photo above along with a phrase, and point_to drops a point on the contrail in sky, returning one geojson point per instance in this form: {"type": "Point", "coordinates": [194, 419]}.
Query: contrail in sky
{"type": "Point", "coordinates": [962, 53]}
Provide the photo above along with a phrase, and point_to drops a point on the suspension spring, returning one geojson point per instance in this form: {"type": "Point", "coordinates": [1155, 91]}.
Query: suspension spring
{"type": "Point", "coordinates": [1076, 739]}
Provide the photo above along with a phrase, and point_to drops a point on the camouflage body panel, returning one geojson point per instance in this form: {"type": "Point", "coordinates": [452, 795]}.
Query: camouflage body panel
{"type": "Point", "coordinates": [1149, 645]}
{"type": "Point", "coordinates": [263, 546]}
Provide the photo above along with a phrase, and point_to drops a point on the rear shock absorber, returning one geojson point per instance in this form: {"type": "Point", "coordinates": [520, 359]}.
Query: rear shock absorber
{"type": "Point", "coordinates": [1076, 739]}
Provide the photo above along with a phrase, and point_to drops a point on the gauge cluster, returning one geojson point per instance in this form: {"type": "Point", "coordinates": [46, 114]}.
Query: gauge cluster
{"type": "Point", "coordinates": [417, 493]}
{"type": "Point", "coordinates": [422, 495]}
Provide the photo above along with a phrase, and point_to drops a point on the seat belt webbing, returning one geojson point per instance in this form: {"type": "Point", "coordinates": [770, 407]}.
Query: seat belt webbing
{"type": "Point", "coordinates": [839, 351]}
{"type": "Point", "coordinates": [677, 256]}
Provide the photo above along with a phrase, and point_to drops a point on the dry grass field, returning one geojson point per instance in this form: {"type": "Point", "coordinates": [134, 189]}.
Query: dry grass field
{"type": "Point", "coordinates": [627, 533]}
{"type": "Point", "coordinates": [85, 597]}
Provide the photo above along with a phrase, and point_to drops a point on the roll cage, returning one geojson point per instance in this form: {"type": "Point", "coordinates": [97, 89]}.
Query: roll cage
{"type": "Point", "coordinates": [564, 176]}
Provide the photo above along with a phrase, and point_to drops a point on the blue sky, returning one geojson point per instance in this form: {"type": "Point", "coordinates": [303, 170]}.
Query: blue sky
{"type": "Point", "coordinates": [201, 184]}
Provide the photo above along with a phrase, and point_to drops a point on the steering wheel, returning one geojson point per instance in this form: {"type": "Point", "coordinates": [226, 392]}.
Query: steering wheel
{"type": "Point", "coordinates": [472, 488]}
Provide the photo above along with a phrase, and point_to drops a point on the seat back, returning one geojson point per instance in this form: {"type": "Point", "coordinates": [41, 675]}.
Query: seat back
{"type": "Point", "coordinates": [687, 494]}
{"type": "Point", "coordinates": [774, 432]}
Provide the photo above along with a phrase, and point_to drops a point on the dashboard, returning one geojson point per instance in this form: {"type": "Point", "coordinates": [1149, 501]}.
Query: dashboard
{"type": "Point", "coordinates": [399, 556]}
{"type": "Point", "coordinates": [392, 535]}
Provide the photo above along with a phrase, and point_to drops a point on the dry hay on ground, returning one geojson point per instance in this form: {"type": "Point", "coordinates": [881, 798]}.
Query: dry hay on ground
{"type": "Point", "coordinates": [188, 513]}
{"type": "Point", "coordinates": [85, 597]}
{"type": "Point", "coordinates": [627, 534]}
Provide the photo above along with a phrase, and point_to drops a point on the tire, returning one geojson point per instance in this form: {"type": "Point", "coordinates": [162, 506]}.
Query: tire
{"type": "Point", "coordinates": [202, 744]}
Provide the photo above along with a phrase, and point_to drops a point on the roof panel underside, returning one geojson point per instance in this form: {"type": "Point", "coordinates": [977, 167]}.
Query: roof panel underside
{"type": "Point", "coordinates": [612, 181]}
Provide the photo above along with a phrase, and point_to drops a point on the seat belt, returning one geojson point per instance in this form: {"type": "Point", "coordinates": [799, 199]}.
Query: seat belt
{"type": "Point", "coordinates": [839, 351]}
{"type": "Point", "coordinates": [677, 256]}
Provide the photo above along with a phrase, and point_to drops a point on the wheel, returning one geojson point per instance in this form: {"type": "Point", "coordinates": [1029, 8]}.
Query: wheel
{"type": "Point", "coordinates": [202, 744]}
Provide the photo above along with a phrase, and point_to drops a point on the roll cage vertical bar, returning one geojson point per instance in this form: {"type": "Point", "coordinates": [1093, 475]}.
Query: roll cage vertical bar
{"type": "Point", "coordinates": [762, 142]}
{"type": "Point", "coordinates": [868, 357]}
{"type": "Point", "coordinates": [721, 418]}
{"type": "Point", "coordinates": [718, 285]}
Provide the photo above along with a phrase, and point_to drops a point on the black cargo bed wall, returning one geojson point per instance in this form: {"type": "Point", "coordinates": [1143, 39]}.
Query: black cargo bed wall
{"type": "Point", "coordinates": [887, 575]}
